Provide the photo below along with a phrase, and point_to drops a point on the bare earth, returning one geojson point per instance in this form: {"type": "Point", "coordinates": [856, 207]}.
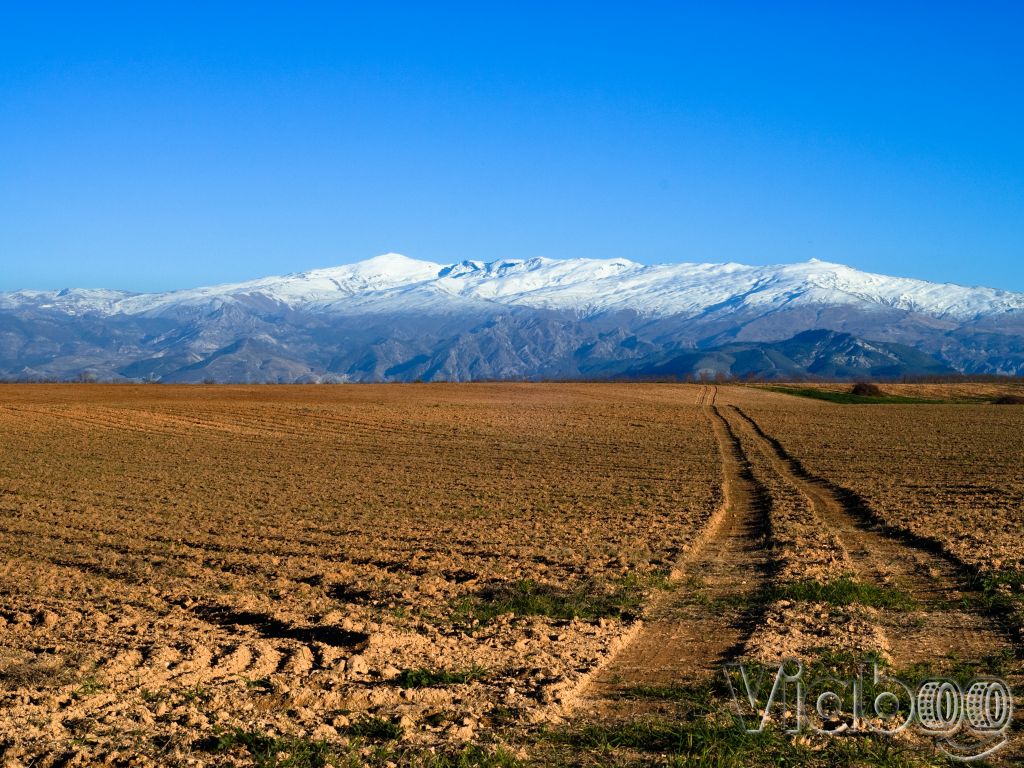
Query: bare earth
{"type": "Point", "coordinates": [181, 563]}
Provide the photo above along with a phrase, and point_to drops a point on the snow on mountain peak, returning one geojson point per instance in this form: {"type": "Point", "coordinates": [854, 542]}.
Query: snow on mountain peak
{"type": "Point", "coordinates": [391, 267]}
{"type": "Point", "coordinates": [392, 282]}
{"type": "Point", "coordinates": [462, 268]}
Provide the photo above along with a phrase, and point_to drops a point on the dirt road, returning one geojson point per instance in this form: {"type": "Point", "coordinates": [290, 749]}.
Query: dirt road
{"type": "Point", "coordinates": [706, 619]}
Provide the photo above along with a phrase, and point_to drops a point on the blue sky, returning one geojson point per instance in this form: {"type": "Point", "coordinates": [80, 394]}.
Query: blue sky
{"type": "Point", "coordinates": [158, 145]}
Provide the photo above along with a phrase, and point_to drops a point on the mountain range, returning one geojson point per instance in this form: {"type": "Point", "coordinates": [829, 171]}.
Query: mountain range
{"type": "Point", "coordinates": [392, 318]}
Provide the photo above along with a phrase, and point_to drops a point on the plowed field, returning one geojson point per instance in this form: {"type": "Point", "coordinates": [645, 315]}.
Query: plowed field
{"type": "Point", "coordinates": [496, 574]}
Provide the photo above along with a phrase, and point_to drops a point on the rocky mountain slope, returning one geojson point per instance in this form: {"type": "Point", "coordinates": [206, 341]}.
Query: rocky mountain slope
{"type": "Point", "coordinates": [395, 318]}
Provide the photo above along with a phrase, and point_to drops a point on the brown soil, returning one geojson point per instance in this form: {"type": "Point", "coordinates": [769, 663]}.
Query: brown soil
{"type": "Point", "coordinates": [780, 524]}
{"type": "Point", "coordinates": [178, 561]}
{"type": "Point", "coordinates": [939, 629]}
{"type": "Point", "coordinates": [182, 560]}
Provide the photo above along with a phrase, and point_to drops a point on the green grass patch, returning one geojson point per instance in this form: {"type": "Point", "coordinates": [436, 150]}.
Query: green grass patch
{"type": "Point", "coordinates": [681, 693]}
{"type": "Point", "coordinates": [195, 693]}
{"type": "Point", "coordinates": [687, 701]}
{"type": "Point", "coordinates": [997, 590]}
{"type": "Point", "coordinates": [713, 744]}
{"type": "Point", "coordinates": [590, 600]}
{"type": "Point", "coordinates": [89, 686]}
{"type": "Point", "coordinates": [1013, 581]}
{"type": "Point", "coordinates": [376, 728]}
{"type": "Point", "coordinates": [848, 398]}
{"type": "Point", "coordinates": [439, 678]}
{"type": "Point", "coordinates": [263, 751]}
{"type": "Point", "coordinates": [273, 751]}
{"type": "Point", "coordinates": [472, 756]}
{"type": "Point", "coordinates": [840, 663]}
{"type": "Point", "coordinates": [844, 591]}
{"type": "Point", "coordinates": [261, 685]}
{"type": "Point", "coordinates": [697, 589]}
{"type": "Point", "coordinates": [962, 671]}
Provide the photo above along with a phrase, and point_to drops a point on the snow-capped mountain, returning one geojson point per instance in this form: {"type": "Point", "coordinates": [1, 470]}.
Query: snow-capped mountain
{"type": "Point", "coordinates": [393, 282]}
{"type": "Point", "coordinates": [392, 317]}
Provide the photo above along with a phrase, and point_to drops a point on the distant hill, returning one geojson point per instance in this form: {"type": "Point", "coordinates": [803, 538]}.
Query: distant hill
{"type": "Point", "coordinates": [819, 353]}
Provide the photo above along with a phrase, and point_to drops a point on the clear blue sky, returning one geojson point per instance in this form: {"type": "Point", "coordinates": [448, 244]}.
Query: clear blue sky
{"type": "Point", "coordinates": [153, 145]}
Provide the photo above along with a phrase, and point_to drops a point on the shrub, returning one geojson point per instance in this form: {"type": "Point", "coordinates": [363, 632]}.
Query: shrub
{"type": "Point", "coordinates": [1009, 400]}
{"type": "Point", "coordinates": [867, 389]}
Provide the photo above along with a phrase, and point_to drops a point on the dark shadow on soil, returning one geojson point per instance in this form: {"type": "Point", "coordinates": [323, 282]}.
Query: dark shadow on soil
{"type": "Point", "coordinates": [269, 627]}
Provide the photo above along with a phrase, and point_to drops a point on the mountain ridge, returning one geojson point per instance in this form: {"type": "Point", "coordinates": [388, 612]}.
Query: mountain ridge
{"type": "Point", "coordinates": [600, 284]}
{"type": "Point", "coordinates": [393, 318]}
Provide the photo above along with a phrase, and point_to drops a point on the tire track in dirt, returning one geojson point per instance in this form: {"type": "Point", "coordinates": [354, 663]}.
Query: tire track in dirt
{"type": "Point", "coordinates": [944, 626]}
{"type": "Point", "coordinates": [692, 629]}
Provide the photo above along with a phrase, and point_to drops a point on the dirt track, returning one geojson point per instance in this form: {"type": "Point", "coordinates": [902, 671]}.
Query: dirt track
{"type": "Point", "coordinates": [692, 630]}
